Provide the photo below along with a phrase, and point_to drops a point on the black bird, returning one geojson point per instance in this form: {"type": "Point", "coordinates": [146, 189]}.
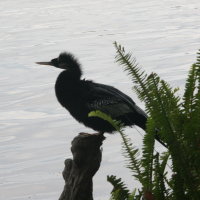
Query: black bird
{"type": "Point", "coordinates": [80, 96]}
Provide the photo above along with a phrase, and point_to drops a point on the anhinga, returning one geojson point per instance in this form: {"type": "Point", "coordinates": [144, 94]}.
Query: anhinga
{"type": "Point", "coordinates": [80, 96]}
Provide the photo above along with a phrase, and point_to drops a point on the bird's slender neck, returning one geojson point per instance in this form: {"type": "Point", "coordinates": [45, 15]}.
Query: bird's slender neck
{"type": "Point", "coordinates": [72, 76]}
{"type": "Point", "coordinates": [67, 81]}
{"type": "Point", "coordinates": [67, 88]}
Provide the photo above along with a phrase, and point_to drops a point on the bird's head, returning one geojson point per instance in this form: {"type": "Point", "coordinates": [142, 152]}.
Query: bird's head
{"type": "Point", "coordinates": [65, 61]}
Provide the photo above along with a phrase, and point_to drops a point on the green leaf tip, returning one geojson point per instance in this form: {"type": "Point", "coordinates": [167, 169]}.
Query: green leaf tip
{"type": "Point", "coordinates": [116, 124]}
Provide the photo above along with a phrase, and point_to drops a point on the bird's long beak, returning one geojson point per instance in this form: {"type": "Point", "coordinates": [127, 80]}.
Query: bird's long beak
{"type": "Point", "coordinates": [44, 63]}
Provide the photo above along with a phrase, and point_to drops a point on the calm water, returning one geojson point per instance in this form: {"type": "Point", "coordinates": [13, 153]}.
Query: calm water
{"type": "Point", "coordinates": [36, 131]}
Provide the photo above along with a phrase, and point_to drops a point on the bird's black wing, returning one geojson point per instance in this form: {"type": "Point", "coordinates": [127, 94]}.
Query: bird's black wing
{"type": "Point", "coordinates": [116, 104]}
{"type": "Point", "coordinates": [111, 101]}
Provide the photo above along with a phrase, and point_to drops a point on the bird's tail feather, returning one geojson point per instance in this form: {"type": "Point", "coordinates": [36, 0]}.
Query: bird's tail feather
{"type": "Point", "coordinates": [141, 120]}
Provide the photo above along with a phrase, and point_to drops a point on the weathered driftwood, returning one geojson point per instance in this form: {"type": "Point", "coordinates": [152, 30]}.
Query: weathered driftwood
{"type": "Point", "coordinates": [78, 172]}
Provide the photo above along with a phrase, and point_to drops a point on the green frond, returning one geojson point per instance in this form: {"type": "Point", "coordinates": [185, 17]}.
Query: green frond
{"type": "Point", "coordinates": [116, 124]}
{"type": "Point", "coordinates": [158, 179]}
{"type": "Point", "coordinates": [130, 65]}
{"type": "Point", "coordinates": [191, 125]}
{"type": "Point", "coordinates": [178, 191]}
{"type": "Point", "coordinates": [131, 154]}
{"type": "Point", "coordinates": [170, 133]}
{"type": "Point", "coordinates": [128, 150]}
{"type": "Point", "coordinates": [198, 73]}
{"type": "Point", "coordinates": [120, 191]}
{"type": "Point", "coordinates": [176, 122]}
{"type": "Point", "coordinates": [132, 195]}
{"type": "Point", "coordinates": [198, 58]}
{"type": "Point", "coordinates": [164, 158]}
{"type": "Point", "coordinates": [190, 88]}
{"type": "Point", "coordinates": [147, 155]}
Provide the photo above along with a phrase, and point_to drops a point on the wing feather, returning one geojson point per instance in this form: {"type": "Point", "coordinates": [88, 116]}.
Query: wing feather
{"type": "Point", "coordinates": [111, 101]}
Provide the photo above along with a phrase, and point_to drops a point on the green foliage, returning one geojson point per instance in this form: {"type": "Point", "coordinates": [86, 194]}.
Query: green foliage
{"type": "Point", "coordinates": [116, 124]}
{"type": "Point", "coordinates": [120, 191]}
{"type": "Point", "coordinates": [129, 151]}
{"type": "Point", "coordinates": [177, 121]}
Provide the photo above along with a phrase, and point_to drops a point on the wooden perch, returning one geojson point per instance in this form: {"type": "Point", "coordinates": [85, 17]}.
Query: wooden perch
{"type": "Point", "coordinates": [78, 172]}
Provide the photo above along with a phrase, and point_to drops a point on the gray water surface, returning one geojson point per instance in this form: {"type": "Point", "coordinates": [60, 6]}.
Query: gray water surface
{"type": "Point", "coordinates": [36, 131]}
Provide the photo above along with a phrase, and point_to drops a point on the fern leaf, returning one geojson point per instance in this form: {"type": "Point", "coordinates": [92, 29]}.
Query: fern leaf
{"type": "Point", "coordinates": [147, 156]}
{"type": "Point", "coordinates": [130, 65]}
{"type": "Point", "coordinates": [116, 124]}
{"type": "Point", "coordinates": [120, 191]}
{"type": "Point", "coordinates": [164, 158]}
{"type": "Point", "coordinates": [198, 58]}
{"type": "Point", "coordinates": [131, 154]}
{"type": "Point", "coordinates": [159, 189]}
{"type": "Point", "coordinates": [129, 151]}
{"type": "Point", "coordinates": [190, 86]}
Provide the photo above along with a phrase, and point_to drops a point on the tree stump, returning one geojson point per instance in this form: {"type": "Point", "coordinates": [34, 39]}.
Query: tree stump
{"type": "Point", "coordinates": [78, 173]}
